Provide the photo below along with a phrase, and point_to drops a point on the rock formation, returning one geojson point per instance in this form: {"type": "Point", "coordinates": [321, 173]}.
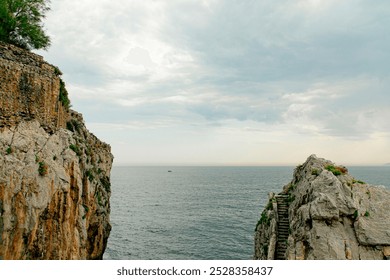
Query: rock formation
{"type": "Point", "coordinates": [54, 174]}
{"type": "Point", "coordinates": [322, 214]}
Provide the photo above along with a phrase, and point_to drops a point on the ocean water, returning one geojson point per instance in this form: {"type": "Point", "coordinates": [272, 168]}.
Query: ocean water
{"type": "Point", "coordinates": [196, 212]}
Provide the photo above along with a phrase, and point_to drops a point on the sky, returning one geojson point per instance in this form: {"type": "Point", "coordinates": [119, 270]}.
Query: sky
{"type": "Point", "coordinates": [228, 82]}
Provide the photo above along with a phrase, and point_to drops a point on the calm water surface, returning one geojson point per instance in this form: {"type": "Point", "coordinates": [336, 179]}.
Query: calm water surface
{"type": "Point", "coordinates": [196, 212]}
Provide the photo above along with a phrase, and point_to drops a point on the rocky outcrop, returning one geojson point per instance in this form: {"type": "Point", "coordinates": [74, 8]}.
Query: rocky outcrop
{"type": "Point", "coordinates": [54, 173]}
{"type": "Point", "coordinates": [29, 89]}
{"type": "Point", "coordinates": [331, 215]}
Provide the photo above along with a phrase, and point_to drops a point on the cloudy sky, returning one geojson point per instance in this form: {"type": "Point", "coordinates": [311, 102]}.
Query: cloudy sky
{"type": "Point", "coordinates": [228, 82]}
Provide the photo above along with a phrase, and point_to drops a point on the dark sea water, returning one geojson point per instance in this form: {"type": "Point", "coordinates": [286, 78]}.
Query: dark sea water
{"type": "Point", "coordinates": [205, 213]}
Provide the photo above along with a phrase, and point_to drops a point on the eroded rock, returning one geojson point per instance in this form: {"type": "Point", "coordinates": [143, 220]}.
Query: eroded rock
{"type": "Point", "coordinates": [331, 215]}
{"type": "Point", "coordinates": [54, 173]}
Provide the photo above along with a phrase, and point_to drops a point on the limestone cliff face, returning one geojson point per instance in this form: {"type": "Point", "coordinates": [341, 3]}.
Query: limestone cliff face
{"type": "Point", "coordinates": [324, 213]}
{"type": "Point", "coordinates": [54, 174]}
{"type": "Point", "coordinates": [29, 89]}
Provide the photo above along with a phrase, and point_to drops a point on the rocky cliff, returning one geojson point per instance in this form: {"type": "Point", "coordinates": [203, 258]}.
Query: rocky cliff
{"type": "Point", "coordinates": [325, 213]}
{"type": "Point", "coordinates": [54, 173]}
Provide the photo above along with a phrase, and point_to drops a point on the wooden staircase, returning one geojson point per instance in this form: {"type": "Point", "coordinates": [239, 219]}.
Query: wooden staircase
{"type": "Point", "coordinates": [283, 226]}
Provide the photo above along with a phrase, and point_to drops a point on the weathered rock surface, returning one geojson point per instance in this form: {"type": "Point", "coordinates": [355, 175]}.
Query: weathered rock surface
{"type": "Point", "coordinates": [54, 173]}
{"type": "Point", "coordinates": [29, 89]}
{"type": "Point", "coordinates": [331, 216]}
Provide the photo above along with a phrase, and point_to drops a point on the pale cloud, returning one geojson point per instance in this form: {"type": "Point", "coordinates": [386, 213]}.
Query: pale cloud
{"type": "Point", "coordinates": [227, 75]}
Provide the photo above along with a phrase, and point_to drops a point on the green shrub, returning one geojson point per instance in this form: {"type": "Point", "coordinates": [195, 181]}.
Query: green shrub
{"type": "Point", "coordinates": [336, 170]}
{"type": "Point", "coordinates": [75, 149]}
{"type": "Point", "coordinates": [263, 220]}
{"type": "Point", "coordinates": [89, 175]}
{"type": "Point", "coordinates": [367, 214]}
{"type": "Point", "coordinates": [42, 168]}
{"type": "Point", "coordinates": [9, 150]}
{"type": "Point", "coordinates": [57, 71]}
{"type": "Point", "coordinates": [291, 188]}
{"type": "Point", "coordinates": [290, 198]}
{"type": "Point", "coordinates": [73, 125]}
{"type": "Point", "coordinates": [63, 95]}
{"type": "Point", "coordinates": [315, 172]}
{"type": "Point", "coordinates": [21, 23]}
{"type": "Point", "coordinates": [69, 126]}
{"type": "Point", "coordinates": [355, 214]}
{"type": "Point", "coordinates": [105, 181]}
{"type": "Point", "coordinates": [269, 206]}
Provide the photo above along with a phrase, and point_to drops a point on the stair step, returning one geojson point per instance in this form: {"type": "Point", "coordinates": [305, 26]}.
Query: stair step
{"type": "Point", "coordinates": [283, 226]}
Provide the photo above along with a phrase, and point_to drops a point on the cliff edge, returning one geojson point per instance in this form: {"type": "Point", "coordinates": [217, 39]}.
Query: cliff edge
{"type": "Point", "coordinates": [324, 213]}
{"type": "Point", "coordinates": [54, 173]}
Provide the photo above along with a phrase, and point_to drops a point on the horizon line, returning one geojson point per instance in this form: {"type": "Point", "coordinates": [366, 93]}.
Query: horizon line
{"type": "Point", "coordinates": [143, 164]}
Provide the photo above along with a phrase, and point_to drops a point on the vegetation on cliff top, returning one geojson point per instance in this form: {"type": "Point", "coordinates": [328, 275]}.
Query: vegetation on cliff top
{"type": "Point", "coordinates": [336, 170]}
{"type": "Point", "coordinates": [21, 23]}
{"type": "Point", "coordinates": [63, 95]}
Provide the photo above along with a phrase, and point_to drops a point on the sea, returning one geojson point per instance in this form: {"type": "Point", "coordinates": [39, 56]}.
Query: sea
{"type": "Point", "coordinates": [196, 213]}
